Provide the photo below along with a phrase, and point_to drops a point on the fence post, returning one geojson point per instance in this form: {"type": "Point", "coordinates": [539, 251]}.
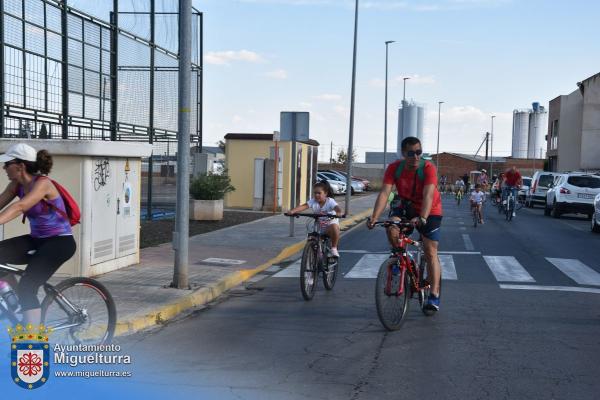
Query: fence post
{"type": "Point", "coordinates": [114, 64]}
{"type": "Point", "coordinates": [151, 112]}
{"type": "Point", "coordinates": [65, 69]}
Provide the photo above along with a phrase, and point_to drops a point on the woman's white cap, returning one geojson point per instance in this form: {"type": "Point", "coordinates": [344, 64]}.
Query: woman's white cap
{"type": "Point", "coordinates": [21, 151]}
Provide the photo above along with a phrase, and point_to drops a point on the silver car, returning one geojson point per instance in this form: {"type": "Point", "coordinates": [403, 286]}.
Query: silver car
{"type": "Point", "coordinates": [357, 186]}
{"type": "Point", "coordinates": [596, 215]}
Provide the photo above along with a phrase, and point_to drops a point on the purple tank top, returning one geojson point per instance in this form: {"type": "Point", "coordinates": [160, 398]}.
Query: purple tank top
{"type": "Point", "coordinates": [44, 220]}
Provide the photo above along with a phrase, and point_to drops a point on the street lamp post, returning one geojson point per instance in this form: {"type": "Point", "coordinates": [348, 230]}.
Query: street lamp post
{"type": "Point", "coordinates": [492, 148]}
{"type": "Point", "coordinates": [351, 133]}
{"type": "Point", "coordinates": [437, 158]}
{"type": "Point", "coordinates": [404, 90]}
{"type": "Point", "coordinates": [385, 119]}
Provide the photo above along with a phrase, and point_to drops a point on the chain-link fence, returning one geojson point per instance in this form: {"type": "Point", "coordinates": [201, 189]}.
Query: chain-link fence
{"type": "Point", "coordinates": [69, 74]}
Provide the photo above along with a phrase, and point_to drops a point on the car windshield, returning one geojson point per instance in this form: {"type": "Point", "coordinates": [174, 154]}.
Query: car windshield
{"type": "Point", "coordinates": [527, 182]}
{"type": "Point", "coordinates": [546, 180]}
{"type": "Point", "coordinates": [584, 181]}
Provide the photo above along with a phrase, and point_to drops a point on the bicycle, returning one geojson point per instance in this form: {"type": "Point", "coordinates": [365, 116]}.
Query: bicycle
{"type": "Point", "coordinates": [512, 205]}
{"type": "Point", "coordinates": [400, 278]}
{"type": "Point", "coordinates": [315, 259]}
{"type": "Point", "coordinates": [459, 196]}
{"type": "Point", "coordinates": [476, 215]}
{"type": "Point", "coordinates": [71, 309]}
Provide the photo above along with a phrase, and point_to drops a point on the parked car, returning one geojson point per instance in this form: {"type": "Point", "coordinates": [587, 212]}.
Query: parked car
{"type": "Point", "coordinates": [572, 193]}
{"type": "Point", "coordinates": [365, 182]}
{"type": "Point", "coordinates": [596, 215]}
{"type": "Point", "coordinates": [357, 186]}
{"type": "Point", "coordinates": [540, 183]}
{"type": "Point", "coordinates": [524, 188]}
{"type": "Point", "coordinates": [337, 186]}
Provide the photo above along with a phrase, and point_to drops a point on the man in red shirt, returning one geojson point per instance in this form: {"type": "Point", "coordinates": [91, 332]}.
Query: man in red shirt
{"type": "Point", "coordinates": [513, 182]}
{"type": "Point", "coordinates": [425, 210]}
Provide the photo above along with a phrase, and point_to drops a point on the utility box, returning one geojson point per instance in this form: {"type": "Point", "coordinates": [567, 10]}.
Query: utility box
{"type": "Point", "coordinates": [104, 179]}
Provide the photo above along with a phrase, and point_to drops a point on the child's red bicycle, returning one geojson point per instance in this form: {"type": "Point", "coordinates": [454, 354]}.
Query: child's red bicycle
{"type": "Point", "coordinates": [400, 278]}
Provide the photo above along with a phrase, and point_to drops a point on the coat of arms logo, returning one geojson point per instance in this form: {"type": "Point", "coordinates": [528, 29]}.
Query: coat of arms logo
{"type": "Point", "coordinates": [30, 355]}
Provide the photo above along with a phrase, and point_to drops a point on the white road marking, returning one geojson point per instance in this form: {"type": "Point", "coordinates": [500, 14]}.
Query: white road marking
{"type": "Point", "coordinates": [292, 271]}
{"type": "Point", "coordinates": [224, 261]}
{"type": "Point", "coordinates": [354, 251]}
{"type": "Point", "coordinates": [576, 270]}
{"type": "Point", "coordinates": [462, 228]}
{"type": "Point", "coordinates": [448, 267]}
{"type": "Point", "coordinates": [557, 288]}
{"type": "Point", "coordinates": [460, 252]}
{"type": "Point", "coordinates": [507, 269]}
{"type": "Point", "coordinates": [468, 243]}
{"type": "Point", "coordinates": [367, 266]}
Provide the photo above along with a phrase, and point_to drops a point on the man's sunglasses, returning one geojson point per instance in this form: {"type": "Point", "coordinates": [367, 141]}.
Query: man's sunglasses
{"type": "Point", "coordinates": [412, 153]}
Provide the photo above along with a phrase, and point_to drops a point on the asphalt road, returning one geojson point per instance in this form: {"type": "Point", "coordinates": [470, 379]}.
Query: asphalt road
{"type": "Point", "coordinates": [520, 321]}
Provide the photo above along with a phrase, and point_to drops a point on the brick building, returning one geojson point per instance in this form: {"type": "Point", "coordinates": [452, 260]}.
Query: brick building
{"type": "Point", "coordinates": [455, 165]}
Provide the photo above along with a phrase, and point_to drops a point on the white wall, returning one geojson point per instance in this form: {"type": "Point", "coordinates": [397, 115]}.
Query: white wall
{"type": "Point", "coordinates": [590, 127]}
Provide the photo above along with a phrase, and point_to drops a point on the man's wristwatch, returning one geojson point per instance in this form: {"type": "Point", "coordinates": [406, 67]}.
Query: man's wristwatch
{"type": "Point", "coordinates": [423, 220]}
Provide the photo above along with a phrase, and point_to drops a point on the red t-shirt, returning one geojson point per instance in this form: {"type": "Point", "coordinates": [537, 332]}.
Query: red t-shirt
{"type": "Point", "coordinates": [512, 178]}
{"type": "Point", "coordinates": [405, 183]}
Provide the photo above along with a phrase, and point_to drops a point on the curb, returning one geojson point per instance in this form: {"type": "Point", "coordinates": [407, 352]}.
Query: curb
{"type": "Point", "coordinates": [207, 294]}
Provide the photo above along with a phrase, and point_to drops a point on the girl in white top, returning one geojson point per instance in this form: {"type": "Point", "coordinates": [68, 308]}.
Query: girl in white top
{"type": "Point", "coordinates": [477, 199]}
{"type": "Point", "coordinates": [323, 203]}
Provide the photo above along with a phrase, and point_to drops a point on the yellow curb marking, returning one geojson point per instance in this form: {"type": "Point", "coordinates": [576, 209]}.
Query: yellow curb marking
{"type": "Point", "coordinates": [209, 293]}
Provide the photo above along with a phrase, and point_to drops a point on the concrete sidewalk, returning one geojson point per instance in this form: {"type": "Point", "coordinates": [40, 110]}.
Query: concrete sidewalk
{"type": "Point", "coordinates": [218, 261]}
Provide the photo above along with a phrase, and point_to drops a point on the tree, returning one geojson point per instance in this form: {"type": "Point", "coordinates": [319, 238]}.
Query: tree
{"type": "Point", "coordinates": [221, 144]}
{"type": "Point", "coordinates": [342, 157]}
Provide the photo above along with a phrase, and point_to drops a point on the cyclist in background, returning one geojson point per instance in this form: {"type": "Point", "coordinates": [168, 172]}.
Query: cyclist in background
{"type": "Point", "coordinates": [498, 186]}
{"type": "Point", "coordinates": [477, 198]}
{"type": "Point", "coordinates": [513, 181]}
{"type": "Point", "coordinates": [459, 185]}
{"type": "Point", "coordinates": [50, 242]}
{"type": "Point", "coordinates": [483, 180]}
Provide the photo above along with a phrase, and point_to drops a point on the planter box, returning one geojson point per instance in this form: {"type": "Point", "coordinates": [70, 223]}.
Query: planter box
{"type": "Point", "coordinates": [206, 210]}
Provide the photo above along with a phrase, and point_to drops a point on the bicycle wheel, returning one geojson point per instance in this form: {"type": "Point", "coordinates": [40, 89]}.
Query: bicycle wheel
{"type": "Point", "coordinates": [509, 208]}
{"type": "Point", "coordinates": [330, 273]}
{"type": "Point", "coordinates": [308, 272]}
{"type": "Point", "coordinates": [458, 199]}
{"type": "Point", "coordinates": [391, 305]}
{"type": "Point", "coordinates": [475, 217]}
{"type": "Point", "coordinates": [82, 311]}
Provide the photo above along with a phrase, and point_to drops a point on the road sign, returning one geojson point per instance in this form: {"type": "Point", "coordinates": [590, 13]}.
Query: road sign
{"type": "Point", "coordinates": [289, 121]}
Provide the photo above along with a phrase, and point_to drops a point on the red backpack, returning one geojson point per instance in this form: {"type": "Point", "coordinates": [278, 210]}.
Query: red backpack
{"type": "Point", "coordinates": [72, 214]}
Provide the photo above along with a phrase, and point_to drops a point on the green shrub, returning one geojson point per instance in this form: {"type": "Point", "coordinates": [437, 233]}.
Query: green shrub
{"type": "Point", "coordinates": [211, 186]}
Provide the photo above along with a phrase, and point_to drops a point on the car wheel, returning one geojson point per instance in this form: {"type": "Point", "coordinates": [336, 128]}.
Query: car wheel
{"type": "Point", "coordinates": [352, 191]}
{"type": "Point", "coordinates": [546, 210]}
{"type": "Point", "coordinates": [595, 226]}
{"type": "Point", "coordinates": [555, 213]}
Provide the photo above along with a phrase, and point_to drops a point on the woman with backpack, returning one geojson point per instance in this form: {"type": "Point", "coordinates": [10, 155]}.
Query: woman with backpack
{"type": "Point", "coordinates": [51, 241]}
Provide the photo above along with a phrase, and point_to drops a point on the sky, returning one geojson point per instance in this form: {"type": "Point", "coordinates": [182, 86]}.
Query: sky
{"type": "Point", "coordinates": [480, 57]}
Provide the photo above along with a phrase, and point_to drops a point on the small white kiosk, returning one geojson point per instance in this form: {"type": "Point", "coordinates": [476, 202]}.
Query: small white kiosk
{"type": "Point", "coordinates": [104, 178]}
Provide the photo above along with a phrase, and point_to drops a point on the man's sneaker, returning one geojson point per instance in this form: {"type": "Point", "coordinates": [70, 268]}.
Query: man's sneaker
{"type": "Point", "coordinates": [334, 252]}
{"type": "Point", "coordinates": [432, 304]}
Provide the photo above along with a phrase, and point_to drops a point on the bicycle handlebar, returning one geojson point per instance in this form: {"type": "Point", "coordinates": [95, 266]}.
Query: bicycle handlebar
{"type": "Point", "coordinates": [400, 224]}
{"type": "Point", "coordinates": [315, 216]}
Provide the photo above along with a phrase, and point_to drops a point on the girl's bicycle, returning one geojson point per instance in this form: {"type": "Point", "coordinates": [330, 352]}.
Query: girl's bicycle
{"type": "Point", "coordinates": [76, 310]}
{"type": "Point", "coordinates": [400, 278]}
{"type": "Point", "coordinates": [315, 256]}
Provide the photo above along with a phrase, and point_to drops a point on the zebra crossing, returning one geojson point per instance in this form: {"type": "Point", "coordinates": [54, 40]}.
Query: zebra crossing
{"type": "Point", "coordinates": [507, 270]}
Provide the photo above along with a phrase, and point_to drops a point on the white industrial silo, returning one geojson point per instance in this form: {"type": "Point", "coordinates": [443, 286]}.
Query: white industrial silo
{"type": "Point", "coordinates": [410, 122]}
{"type": "Point", "coordinates": [520, 133]}
{"type": "Point", "coordinates": [538, 128]}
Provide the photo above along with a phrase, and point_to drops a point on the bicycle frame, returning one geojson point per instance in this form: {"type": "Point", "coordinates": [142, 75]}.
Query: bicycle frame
{"type": "Point", "coordinates": [406, 263]}
{"type": "Point", "coordinates": [62, 301]}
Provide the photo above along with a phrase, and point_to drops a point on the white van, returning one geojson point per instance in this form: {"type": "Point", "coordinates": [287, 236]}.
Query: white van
{"type": "Point", "coordinates": [540, 183]}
